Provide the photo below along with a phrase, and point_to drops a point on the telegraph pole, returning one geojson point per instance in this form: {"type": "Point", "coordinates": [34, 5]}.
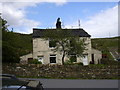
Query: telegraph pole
{"type": "Point", "coordinates": [79, 23]}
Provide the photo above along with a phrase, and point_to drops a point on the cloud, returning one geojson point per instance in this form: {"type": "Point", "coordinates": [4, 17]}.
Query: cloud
{"type": "Point", "coordinates": [14, 12]}
{"type": "Point", "coordinates": [15, 15]}
{"type": "Point", "coordinates": [57, 2]}
{"type": "Point", "coordinates": [102, 24]}
{"type": "Point", "coordinates": [0, 7]}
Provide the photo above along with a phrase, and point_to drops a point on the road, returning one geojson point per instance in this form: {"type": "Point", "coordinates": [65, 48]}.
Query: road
{"type": "Point", "coordinates": [76, 83]}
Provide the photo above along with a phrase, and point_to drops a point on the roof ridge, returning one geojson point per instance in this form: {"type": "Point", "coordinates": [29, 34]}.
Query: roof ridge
{"type": "Point", "coordinates": [75, 32]}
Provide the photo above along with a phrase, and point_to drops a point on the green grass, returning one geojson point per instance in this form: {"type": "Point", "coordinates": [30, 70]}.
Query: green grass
{"type": "Point", "coordinates": [21, 44]}
{"type": "Point", "coordinates": [15, 45]}
{"type": "Point", "coordinates": [104, 44]}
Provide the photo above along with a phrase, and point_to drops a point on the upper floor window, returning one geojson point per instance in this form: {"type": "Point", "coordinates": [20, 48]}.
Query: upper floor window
{"type": "Point", "coordinates": [52, 43]}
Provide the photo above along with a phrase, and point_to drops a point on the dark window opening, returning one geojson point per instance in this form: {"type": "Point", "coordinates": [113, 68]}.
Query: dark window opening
{"type": "Point", "coordinates": [71, 43]}
{"type": "Point", "coordinates": [92, 59]}
{"type": "Point", "coordinates": [52, 43]}
{"type": "Point", "coordinates": [73, 58]}
{"type": "Point", "coordinates": [104, 55]}
{"type": "Point", "coordinates": [30, 60]}
{"type": "Point", "coordinates": [52, 58]}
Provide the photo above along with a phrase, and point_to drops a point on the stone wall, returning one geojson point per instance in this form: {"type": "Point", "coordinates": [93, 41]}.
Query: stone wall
{"type": "Point", "coordinates": [24, 59]}
{"type": "Point", "coordinates": [97, 55]}
{"type": "Point", "coordinates": [60, 71]}
{"type": "Point", "coordinates": [41, 48]}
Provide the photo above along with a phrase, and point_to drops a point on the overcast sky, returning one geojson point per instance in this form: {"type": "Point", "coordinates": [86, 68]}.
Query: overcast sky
{"type": "Point", "coordinates": [99, 19]}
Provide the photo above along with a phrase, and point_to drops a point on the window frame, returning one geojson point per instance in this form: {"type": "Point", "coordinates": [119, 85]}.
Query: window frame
{"type": "Point", "coordinates": [52, 56]}
{"type": "Point", "coordinates": [74, 55]}
{"type": "Point", "coordinates": [53, 45]}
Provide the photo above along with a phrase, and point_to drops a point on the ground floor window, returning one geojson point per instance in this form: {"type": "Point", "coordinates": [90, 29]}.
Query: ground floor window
{"type": "Point", "coordinates": [73, 58]}
{"type": "Point", "coordinates": [30, 60]}
{"type": "Point", "coordinates": [53, 58]}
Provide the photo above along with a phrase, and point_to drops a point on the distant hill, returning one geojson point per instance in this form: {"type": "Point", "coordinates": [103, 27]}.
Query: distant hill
{"type": "Point", "coordinates": [15, 45]}
{"type": "Point", "coordinates": [107, 46]}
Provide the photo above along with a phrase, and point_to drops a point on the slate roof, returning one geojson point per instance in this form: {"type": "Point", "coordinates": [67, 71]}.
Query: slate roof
{"type": "Point", "coordinates": [37, 33]}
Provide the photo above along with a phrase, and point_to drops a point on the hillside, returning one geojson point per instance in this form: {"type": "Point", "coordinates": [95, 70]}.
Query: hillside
{"type": "Point", "coordinates": [107, 45]}
{"type": "Point", "coordinates": [14, 45]}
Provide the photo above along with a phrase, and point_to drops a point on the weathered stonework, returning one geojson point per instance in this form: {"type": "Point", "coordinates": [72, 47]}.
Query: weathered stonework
{"type": "Point", "coordinates": [42, 51]}
{"type": "Point", "coordinates": [24, 59]}
{"type": "Point", "coordinates": [62, 71]}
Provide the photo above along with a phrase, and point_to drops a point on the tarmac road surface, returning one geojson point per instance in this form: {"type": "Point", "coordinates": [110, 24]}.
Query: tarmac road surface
{"type": "Point", "coordinates": [78, 83]}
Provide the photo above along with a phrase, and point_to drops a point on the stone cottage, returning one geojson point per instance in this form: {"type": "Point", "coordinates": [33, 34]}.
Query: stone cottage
{"type": "Point", "coordinates": [42, 49]}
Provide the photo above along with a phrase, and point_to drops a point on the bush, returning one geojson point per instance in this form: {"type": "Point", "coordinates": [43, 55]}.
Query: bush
{"type": "Point", "coordinates": [35, 61]}
{"type": "Point", "coordinates": [68, 62]}
{"type": "Point", "coordinates": [109, 62]}
{"type": "Point", "coordinates": [79, 63]}
{"type": "Point", "coordinates": [73, 59]}
{"type": "Point", "coordinates": [9, 54]}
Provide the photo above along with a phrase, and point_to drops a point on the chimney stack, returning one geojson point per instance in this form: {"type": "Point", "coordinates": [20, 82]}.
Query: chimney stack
{"type": "Point", "coordinates": [58, 24]}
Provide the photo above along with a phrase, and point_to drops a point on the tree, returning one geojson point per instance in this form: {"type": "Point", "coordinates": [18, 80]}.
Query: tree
{"type": "Point", "coordinates": [3, 24]}
{"type": "Point", "coordinates": [9, 52]}
{"type": "Point", "coordinates": [65, 42]}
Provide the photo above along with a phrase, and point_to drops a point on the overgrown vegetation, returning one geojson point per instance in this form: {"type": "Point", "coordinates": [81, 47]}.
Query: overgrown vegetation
{"type": "Point", "coordinates": [72, 60]}
{"type": "Point", "coordinates": [100, 71]}
{"type": "Point", "coordinates": [106, 44]}
{"type": "Point", "coordinates": [35, 61]}
{"type": "Point", "coordinates": [109, 62]}
{"type": "Point", "coordinates": [66, 43]}
{"type": "Point", "coordinates": [14, 44]}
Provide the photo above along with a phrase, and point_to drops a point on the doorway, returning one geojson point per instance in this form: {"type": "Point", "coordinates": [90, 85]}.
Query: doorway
{"type": "Point", "coordinates": [85, 60]}
{"type": "Point", "coordinates": [40, 59]}
{"type": "Point", "coordinates": [93, 59]}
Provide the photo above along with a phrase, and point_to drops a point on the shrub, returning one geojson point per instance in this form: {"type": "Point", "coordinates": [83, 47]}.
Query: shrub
{"type": "Point", "coordinates": [68, 62]}
{"type": "Point", "coordinates": [109, 62]}
{"type": "Point", "coordinates": [35, 61]}
{"type": "Point", "coordinates": [73, 59]}
{"type": "Point", "coordinates": [79, 63]}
